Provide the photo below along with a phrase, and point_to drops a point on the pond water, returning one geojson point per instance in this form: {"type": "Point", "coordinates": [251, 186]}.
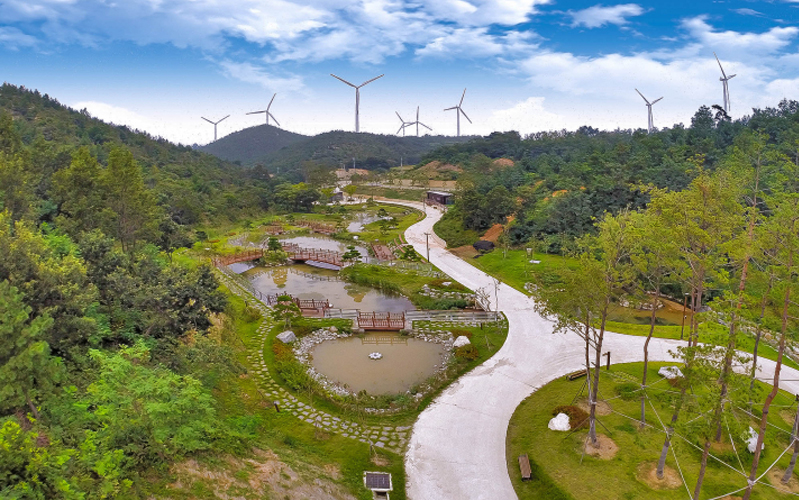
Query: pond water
{"type": "Point", "coordinates": [406, 361]}
{"type": "Point", "coordinates": [306, 282]}
{"type": "Point", "coordinates": [324, 243]}
{"type": "Point", "coordinates": [360, 221]}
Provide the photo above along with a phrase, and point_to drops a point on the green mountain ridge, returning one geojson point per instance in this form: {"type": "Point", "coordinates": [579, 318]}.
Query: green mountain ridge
{"type": "Point", "coordinates": [284, 152]}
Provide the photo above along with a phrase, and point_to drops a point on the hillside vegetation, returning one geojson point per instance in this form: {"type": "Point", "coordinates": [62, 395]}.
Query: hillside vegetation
{"type": "Point", "coordinates": [252, 144]}
{"type": "Point", "coordinates": [332, 149]}
{"type": "Point", "coordinates": [560, 182]}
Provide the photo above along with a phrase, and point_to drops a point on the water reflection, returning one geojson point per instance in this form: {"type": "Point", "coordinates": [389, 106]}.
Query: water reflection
{"type": "Point", "coordinates": [404, 363]}
{"type": "Point", "coordinates": [306, 282]}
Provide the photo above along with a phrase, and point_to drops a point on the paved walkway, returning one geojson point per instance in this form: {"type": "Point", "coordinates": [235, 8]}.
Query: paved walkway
{"type": "Point", "coordinates": [457, 448]}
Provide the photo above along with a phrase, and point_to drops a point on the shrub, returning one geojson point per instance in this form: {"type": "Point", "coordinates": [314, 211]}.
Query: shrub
{"type": "Point", "coordinates": [628, 391]}
{"type": "Point", "coordinates": [459, 332]}
{"type": "Point", "coordinates": [467, 352]}
{"type": "Point", "coordinates": [578, 418]}
{"type": "Point", "coordinates": [453, 286]}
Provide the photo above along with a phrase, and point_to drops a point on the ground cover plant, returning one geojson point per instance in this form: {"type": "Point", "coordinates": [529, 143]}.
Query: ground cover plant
{"type": "Point", "coordinates": [561, 471]}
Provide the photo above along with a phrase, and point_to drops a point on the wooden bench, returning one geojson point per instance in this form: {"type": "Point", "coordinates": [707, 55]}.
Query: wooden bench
{"type": "Point", "coordinates": [576, 375]}
{"type": "Point", "coordinates": [524, 466]}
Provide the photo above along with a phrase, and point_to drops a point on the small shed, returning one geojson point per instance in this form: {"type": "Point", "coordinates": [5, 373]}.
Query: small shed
{"type": "Point", "coordinates": [441, 197]}
{"type": "Point", "coordinates": [379, 483]}
{"type": "Point", "coordinates": [338, 195]}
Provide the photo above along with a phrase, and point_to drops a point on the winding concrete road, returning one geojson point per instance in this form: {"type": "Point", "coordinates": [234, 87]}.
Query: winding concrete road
{"type": "Point", "coordinates": [457, 449]}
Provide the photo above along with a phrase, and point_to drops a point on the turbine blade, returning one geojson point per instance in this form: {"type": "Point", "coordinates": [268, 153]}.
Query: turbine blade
{"type": "Point", "coordinates": [464, 114]}
{"type": "Point", "coordinates": [656, 100]}
{"type": "Point", "coordinates": [462, 96]}
{"type": "Point", "coordinates": [209, 121]}
{"type": "Point", "coordinates": [642, 96]}
{"type": "Point", "coordinates": [273, 117]}
{"type": "Point", "coordinates": [343, 80]}
{"type": "Point", "coordinates": [453, 107]}
{"type": "Point", "coordinates": [398, 116]}
{"type": "Point", "coordinates": [417, 113]}
{"type": "Point", "coordinates": [722, 69]}
{"type": "Point", "coordinates": [256, 112]}
{"type": "Point", "coordinates": [270, 102]}
{"type": "Point", "coordinates": [425, 126]}
{"type": "Point", "coordinates": [401, 127]}
{"type": "Point", "coordinates": [731, 76]}
{"type": "Point", "coordinates": [370, 81]}
{"type": "Point", "coordinates": [225, 118]}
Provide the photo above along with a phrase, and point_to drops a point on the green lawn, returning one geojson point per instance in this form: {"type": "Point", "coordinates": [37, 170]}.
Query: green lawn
{"type": "Point", "coordinates": [516, 269]}
{"type": "Point", "coordinates": [556, 460]}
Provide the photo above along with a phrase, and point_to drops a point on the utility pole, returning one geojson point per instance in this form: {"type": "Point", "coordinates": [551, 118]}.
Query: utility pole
{"type": "Point", "coordinates": [427, 243]}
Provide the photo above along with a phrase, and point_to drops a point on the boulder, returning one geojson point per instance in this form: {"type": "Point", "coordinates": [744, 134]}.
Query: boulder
{"type": "Point", "coordinates": [446, 283]}
{"type": "Point", "coordinates": [461, 341]}
{"type": "Point", "coordinates": [751, 442]}
{"type": "Point", "coordinates": [670, 372]}
{"type": "Point", "coordinates": [560, 422]}
{"type": "Point", "coordinates": [287, 337]}
{"type": "Point", "coordinates": [333, 329]}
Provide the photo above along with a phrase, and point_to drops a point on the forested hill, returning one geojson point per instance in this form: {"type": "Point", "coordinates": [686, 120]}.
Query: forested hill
{"type": "Point", "coordinates": [558, 183]}
{"type": "Point", "coordinates": [252, 144]}
{"type": "Point", "coordinates": [332, 149]}
{"type": "Point", "coordinates": [189, 185]}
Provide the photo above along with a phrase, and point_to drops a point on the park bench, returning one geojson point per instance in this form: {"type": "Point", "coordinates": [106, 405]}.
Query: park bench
{"type": "Point", "coordinates": [524, 466]}
{"type": "Point", "coordinates": [576, 375]}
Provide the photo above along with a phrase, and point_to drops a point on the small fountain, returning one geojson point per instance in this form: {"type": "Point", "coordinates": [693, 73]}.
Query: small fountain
{"type": "Point", "coordinates": [375, 356]}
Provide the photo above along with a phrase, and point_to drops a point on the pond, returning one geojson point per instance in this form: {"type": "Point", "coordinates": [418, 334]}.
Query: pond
{"type": "Point", "coordinates": [306, 282]}
{"type": "Point", "coordinates": [406, 361]}
{"type": "Point", "coordinates": [360, 221]}
{"type": "Point", "coordinates": [324, 243]}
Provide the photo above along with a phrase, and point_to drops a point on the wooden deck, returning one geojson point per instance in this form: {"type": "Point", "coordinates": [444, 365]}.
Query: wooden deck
{"type": "Point", "coordinates": [301, 303]}
{"type": "Point", "coordinates": [316, 227]}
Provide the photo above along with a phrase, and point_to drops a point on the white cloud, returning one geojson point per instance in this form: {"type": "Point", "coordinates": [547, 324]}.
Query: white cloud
{"type": "Point", "coordinates": [748, 12]}
{"type": "Point", "coordinates": [477, 43]}
{"type": "Point", "coordinates": [599, 15]}
{"type": "Point", "coordinates": [737, 44]}
{"type": "Point", "coordinates": [250, 73]}
{"type": "Point", "coordinates": [13, 38]}
{"type": "Point", "coordinates": [526, 116]}
{"type": "Point", "coordinates": [122, 116]}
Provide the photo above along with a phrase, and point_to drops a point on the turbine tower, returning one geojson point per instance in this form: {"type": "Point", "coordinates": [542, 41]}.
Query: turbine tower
{"type": "Point", "coordinates": [458, 112]}
{"type": "Point", "coordinates": [214, 124]}
{"type": "Point", "coordinates": [267, 112]}
{"type": "Point", "coordinates": [724, 79]}
{"type": "Point", "coordinates": [404, 124]}
{"type": "Point", "coordinates": [357, 95]}
{"type": "Point", "coordinates": [649, 110]}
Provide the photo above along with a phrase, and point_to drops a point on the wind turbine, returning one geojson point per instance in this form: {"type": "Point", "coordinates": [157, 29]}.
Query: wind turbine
{"type": "Point", "coordinates": [649, 110]}
{"type": "Point", "coordinates": [404, 124]}
{"type": "Point", "coordinates": [357, 95]}
{"type": "Point", "coordinates": [214, 124]}
{"type": "Point", "coordinates": [458, 112]}
{"type": "Point", "coordinates": [724, 79]}
{"type": "Point", "coordinates": [417, 122]}
{"type": "Point", "coordinates": [267, 112]}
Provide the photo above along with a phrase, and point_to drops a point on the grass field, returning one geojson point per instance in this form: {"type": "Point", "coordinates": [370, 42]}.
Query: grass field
{"type": "Point", "coordinates": [556, 456]}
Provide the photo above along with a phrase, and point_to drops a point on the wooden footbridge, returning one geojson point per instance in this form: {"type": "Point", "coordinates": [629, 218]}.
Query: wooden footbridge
{"type": "Point", "coordinates": [381, 320]}
{"type": "Point", "coordinates": [295, 253]}
{"type": "Point", "coordinates": [316, 304]}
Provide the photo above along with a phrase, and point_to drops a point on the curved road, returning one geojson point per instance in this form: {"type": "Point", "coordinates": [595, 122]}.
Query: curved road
{"type": "Point", "coordinates": [457, 449]}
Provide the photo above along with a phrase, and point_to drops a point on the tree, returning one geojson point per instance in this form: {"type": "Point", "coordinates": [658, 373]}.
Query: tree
{"type": "Point", "coordinates": [350, 190]}
{"type": "Point", "coordinates": [152, 413]}
{"type": "Point", "coordinates": [78, 191]}
{"type": "Point", "coordinates": [351, 255]}
{"type": "Point", "coordinates": [274, 245]}
{"type": "Point", "coordinates": [27, 371]}
{"type": "Point", "coordinates": [285, 310]}
{"type": "Point", "coordinates": [132, 206]}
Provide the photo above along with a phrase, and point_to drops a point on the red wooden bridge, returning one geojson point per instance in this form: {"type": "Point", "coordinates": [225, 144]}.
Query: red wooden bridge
{"type": "Point", "coordinates": [381, 320]}
{"type": "Point", "coordinates": [300, 254]}
{"type": "Point", "coordinates": [226, 260]}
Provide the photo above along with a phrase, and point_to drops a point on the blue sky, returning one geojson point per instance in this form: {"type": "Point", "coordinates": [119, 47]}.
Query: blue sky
{"type": "Point", "coordinates": [528, 65]}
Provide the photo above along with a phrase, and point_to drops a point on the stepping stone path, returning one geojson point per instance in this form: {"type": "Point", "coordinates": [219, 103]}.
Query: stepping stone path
{"type": "Point", "coordinates": [394, 439]}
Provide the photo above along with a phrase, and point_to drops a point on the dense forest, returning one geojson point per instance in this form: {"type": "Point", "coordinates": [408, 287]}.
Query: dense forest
{"type": "Point", "coordinates": [561, 182]}
{"type": "Point", "coordinates": [108, 350]}
{"type": "Point", "coordinates": [252, 144]}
